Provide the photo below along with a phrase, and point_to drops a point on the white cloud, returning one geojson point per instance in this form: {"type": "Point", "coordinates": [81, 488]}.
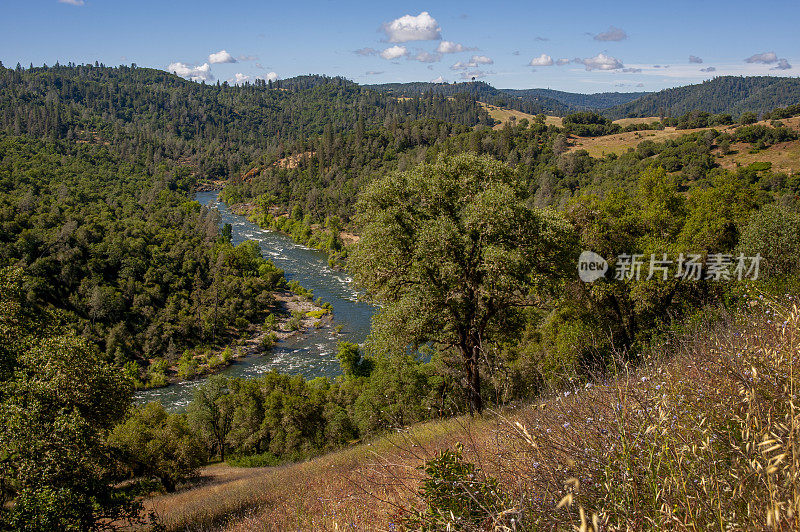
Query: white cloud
{"type": "Point", "coordinates": [72, 2]}
{"type": "Point", "coordinates": [783, 64]}
{"type": "Point", "coordinates": [365, 51]}
{"type": "Point", "coordinates": [440, 79]}
{"type": "Point", "coordinates": [221, 57]}
{"type": "Point", "coordinates": [450, 47]}
{"type": "Point", "coordinates": [563, 61]}
{"type": "Point", "coordinates": [601, 62]}
{"type": "Point", "coordinates": [272, 76]}
{"type": "Point", "coordinates": [247, 57]}
{"type": "Point", "coordinates": [394, 52]}
{"type": "Point", "coordinates": [426, 57]}
{"type": "Point", "coordinates": [708, 69]}
{"type": "Point", "coordinates": [613, 34]}
{"type": "Point", "coordinates": [239, 79]}
{"type": "Point", "coordinates": [194, 73]}
{"type": "Point", "coordinates": [542, 60]}
{"type": "Point", "coordinates": [407, 28]}
{"type": "Point", "coordinates": [541, 39]}
{"type": "Point", "coordinates": [476, 61]}
{"type": "Point", "coordinates": [767, 58]}
{"type": "Point", "coordinates": [475, 74]}
{"type": "Point", "coordinates": [632, 70]}
{"type": "Point", "coordinates": [695, 59]}
{"type": "Point", "coordinates": [374, 72]}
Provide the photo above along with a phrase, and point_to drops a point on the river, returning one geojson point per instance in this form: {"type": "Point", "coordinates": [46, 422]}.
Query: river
{"type": "Point", "coordinates": [311, 354]}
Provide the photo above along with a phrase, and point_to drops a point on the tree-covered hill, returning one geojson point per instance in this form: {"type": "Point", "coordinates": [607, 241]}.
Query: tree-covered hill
{"type": "Point", "coordinates": [725, 94]}
{"type": "Point", "coordinates": [577, 101]}
{"type": "Point", "coordinates": [218, 129]}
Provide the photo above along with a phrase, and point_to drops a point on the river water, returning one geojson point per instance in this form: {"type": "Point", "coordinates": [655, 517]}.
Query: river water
{"type": "Point", "coordinates": [312, 354]}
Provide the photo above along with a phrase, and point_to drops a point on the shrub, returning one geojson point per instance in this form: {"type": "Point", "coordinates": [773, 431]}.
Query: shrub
{"type": "Point", "coordinates": [457, 495]}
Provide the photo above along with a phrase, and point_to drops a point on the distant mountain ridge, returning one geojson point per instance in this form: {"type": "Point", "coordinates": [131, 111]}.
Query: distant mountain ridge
{"type": "Point", "coordinates": [724, 94]}
{"type": "Point", "coordinates": [532, 101]}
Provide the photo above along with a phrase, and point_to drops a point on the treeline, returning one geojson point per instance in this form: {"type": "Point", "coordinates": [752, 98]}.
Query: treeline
{"type": "Point", "coordinates": [132, 264]}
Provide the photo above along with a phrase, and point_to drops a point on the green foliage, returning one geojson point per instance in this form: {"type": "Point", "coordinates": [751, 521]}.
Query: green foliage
{"type": "Point", "coordinates": [210, 413]}
{"type": "Point", "coordinates": [158, 444]}
{"type": "Point", "coordinates": [451, 250]}
{"type": "Point", "coordinates": [774, 233]}
{"type": "Point", "coordinates": [265, 459]}
{"type": "Point", "coordinates": [116, 249]}
{"type": "Point", "coordinates": [57, 408]}
{"type": "Point", "coordinates": [457, 495]}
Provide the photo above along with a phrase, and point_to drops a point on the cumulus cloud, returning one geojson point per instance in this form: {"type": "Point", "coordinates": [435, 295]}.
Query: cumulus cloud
{"type": "Point", "coordinates": [695, 59]}
{"type": "Point", "coordinates": [72, 2]}
{"type": "Point", "coordinates": [613, 34]}
{"type": "Point", "coordinates": [632, 70]}
{"type": "Point", "coordinates": [783, 64]}
{"type": "Point", "coordinates": [708, 69]}
{"type": "Point", "coordinates": [767, 58]}
{"type": "Point", "coordinates": [563, 61]}
{"type": "Point", "coordinates": [427, 57]}
{"type": "Point", "coordinates": [542, 60]}
{"type": "Point", "coordinates": [450, 47]}
{"type": "Point", "coordinates": [440, 79]}
{"type": "Point", "coordinates": [221, 57]}
{"type": "Point", "coordinates": [272, 76]}
{"type": "Point", "coordinates": [407, 28]}
{"type": "Point", "coordinates": [476, 61]}
{"type": "Point", "coordinates": [365, 51]}
{"type": "Point", "coordinates": [239, 78]}
{"type": "Point", "coordinates": [601, 62]}
{"type": "Point", "coordinates": [194, 73]}
{"type": "Point", "coordinates": [394, 52]}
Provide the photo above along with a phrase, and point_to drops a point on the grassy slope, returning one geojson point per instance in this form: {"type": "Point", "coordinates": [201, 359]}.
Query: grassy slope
{"type": "Point", "coordinates": [683, 433]}
{"type": "Point", "coordinates": [784, 156]}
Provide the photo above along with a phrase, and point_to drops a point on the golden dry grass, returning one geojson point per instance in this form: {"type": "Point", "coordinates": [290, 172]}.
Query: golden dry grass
{"type": "Point", "coordinates": [784, 156]}
{"type": "Point", "coordinates": [628, 121]}
{"type": "Point", "coordinates": [619, 143]}
{"type": "Point", "coordinates": [504, 115]}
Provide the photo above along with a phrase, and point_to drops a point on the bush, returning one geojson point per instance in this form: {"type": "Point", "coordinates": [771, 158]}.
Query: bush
{"type": "Point", "coordinates": [457, 495]}
{"type": "Point", "coordinates": [266, 459]}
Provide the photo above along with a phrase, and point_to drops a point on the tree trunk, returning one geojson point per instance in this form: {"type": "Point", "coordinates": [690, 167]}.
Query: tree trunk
{"type": "Point", "coordinates": [474, 400]}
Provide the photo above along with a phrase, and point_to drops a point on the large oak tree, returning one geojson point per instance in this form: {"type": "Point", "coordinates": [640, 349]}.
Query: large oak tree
{"type": "Point", "coordinates": [450, 251]}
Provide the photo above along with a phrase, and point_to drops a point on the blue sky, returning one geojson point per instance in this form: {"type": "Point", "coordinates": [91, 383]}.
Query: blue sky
{"type": "Point", "coordinates": [602, 46]}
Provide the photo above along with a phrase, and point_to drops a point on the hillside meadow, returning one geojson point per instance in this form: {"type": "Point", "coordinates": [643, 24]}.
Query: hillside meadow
{"type": "Point", "coordinates": [702, 434]}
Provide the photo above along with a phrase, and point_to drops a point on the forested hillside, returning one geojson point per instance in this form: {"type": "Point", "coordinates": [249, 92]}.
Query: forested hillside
{"type": "Point", "coordinates": [466, 239]}
{"type": "Point", "coordinates": [215, 129]}
{"type": "Point", "coordinates": [725, 94]}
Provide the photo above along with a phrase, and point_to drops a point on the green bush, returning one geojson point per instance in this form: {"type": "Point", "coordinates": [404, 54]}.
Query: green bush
{"type": "Point", "coordinates": [457, 496]}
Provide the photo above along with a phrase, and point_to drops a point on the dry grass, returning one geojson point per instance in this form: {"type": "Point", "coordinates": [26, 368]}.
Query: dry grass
{"type": "Point", "coordinates": [628, 121]}
{"type": "Point", "coordinates": [784, 156]}
{"type": "Point", "coordinates": [619, 143]}
{"type": "Point", "coordinates": [703, 434]}
{"type": "Point", "coordinates": [504, 115]}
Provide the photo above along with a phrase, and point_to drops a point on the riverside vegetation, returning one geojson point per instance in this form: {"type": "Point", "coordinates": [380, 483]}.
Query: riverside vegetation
{"type": "Point", "coordinates": [469, 238]}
